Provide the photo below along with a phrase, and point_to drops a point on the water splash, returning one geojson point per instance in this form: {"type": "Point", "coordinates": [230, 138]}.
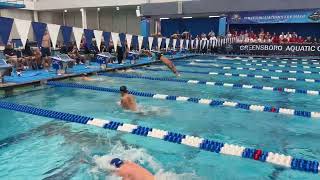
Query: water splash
{"type": "Point", "coordinates": [137, 155]}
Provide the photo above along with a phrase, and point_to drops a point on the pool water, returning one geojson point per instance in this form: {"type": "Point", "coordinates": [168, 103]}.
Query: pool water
{"type": "Point", "coordinates": [33, 147]}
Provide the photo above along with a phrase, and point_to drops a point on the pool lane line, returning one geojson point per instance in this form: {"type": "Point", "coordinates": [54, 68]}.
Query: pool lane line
{"type": "Point", "coordinates": [311, 166]}
{"type": "Point", "coordinates": [210, 102]}
{"type": "Point", "coordinates": [237, 75]}
{"type": "Point", "coordinates": [265, 65]}
{"type": "Point", "coordinates": [216, 66]}
{"type": "Point", "coordinates": [208, 83]}
{"type": "Point", "coordinates": [305, 62]}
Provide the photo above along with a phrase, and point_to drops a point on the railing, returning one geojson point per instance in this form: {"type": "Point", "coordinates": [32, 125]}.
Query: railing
{"type": "Point", "coordinates": [4, 4]}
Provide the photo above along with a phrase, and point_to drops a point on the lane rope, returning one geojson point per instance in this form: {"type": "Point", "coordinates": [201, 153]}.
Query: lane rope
{"type": "Point", "coordinates": [210, 102]}
{"type": "Point", "coordinates": [211, 83]}
{"type": "Point", "coordinates": [266, 65]}
{"type": "Point", "coordinates": [286, 161]}
{"type": "Point", "coordinates": [216, 66]}
{"type": "Point", "coordinates": [283, 61]}
{"type": "Point", "coordinates": [237, 75]}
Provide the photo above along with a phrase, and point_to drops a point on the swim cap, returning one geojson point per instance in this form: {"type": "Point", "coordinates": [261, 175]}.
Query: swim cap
{"type": "Point", "coordinates": [123, 89]}
{"type": "Point", "coordinates": [116, 162]}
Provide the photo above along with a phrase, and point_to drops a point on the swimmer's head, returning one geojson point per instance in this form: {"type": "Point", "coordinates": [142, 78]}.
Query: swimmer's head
{"type": "Point", "coordinates": [123, 89]}
{"type": "Point", "coordinates": [116, 162]}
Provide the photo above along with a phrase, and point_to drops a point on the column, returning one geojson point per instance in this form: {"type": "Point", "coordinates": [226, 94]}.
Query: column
{"type": "Point", "coordinates": [35, 16]}
{"type": "Point", "coordinates": [145, 27]}
{"type": "Point", "coordinates": [222, 26]}
{"type": "Point", "coordinates": [84, 18]}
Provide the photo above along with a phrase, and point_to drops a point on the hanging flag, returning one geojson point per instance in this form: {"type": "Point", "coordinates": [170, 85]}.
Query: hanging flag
{"type": "Point", "coordinates": [197, 43]}
{"type": "Point", "coordinates": [66, 33]}
{"type": "Point", "coordinates": [129, 40]}
{"type": "Point", "coordinates": [23, 27]}
{"type": "Point", "coordinates": [122, 38]}
{"type": "Point", "coordinates": [187, 44]}
{"type": "Point", "coordinates": [53, 30]}
{"type": "Point", "coordinates": [5, 30]}
{"type": "Point", "coordinates": [150, 41]}
{"type": "Point", "coordinates": [106, 37]}
{"type": "Point", "coordinates": [167, 43]}
{"type": "Point", "coordinates": [174, 44]}
{"type": "Point", "coordinates": [78, 33]}
{"type": "Point", "coordinates": [181, 44]}
{"type": "Point", "coordinates": [140, 41]}
{"type": "Point", "coordinates": [39, 30]}
{"type": "Point", "coordinates": [89, 35]}
{"type": "Point", "coordinates": [98, 36]}
{"type": "Point", "coordinates": [115, 39]}
{"type": "Point", "coordinates": [159, 43]}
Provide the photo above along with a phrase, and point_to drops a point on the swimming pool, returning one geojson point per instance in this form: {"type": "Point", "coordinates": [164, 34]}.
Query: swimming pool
{"type": "Point", "coordinates": [34, 147]}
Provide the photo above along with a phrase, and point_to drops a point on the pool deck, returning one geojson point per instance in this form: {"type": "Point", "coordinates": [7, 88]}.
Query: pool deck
{"type": "Point", "coordinates": [35, 77]}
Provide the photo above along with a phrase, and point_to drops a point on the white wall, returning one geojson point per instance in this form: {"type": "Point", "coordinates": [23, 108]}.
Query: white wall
{"type": "Point", "coordinates": [50, 17]}
{"type": "Point", "coordinates": [69, 4]}
{"type": "Point", "coordinates": [17, 13]}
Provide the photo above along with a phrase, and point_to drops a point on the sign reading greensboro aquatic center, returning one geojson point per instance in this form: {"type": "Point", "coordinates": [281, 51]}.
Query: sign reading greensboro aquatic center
{"type": "Point", "coordinates": [265, 17]}
{"type": "Point", "coordinates": [275, 49]}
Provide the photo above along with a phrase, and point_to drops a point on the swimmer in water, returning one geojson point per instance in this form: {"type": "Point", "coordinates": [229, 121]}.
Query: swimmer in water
{"type": "Point", "coordinates": [131, 171]}
{"type": "Point", "coordinates": [127, 100]}
{"type": "Point", "coordinates": [166, 61]}
{"type": "Point", "coordinates": [85, 78]}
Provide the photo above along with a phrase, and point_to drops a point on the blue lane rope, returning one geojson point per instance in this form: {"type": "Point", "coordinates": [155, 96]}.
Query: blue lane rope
{"type": "Point", "coordinates": [237, 75]}
{"type": "Point", "coordinates": [240, 86]}
{"type": "Point", "coordinates": [311, 166]}
{"type": "Point", "coordinates": [210, 102]}
{"type": "Point", "coordinates": [216, 66]}
{"type": "Point", "coordinates": [281, 61]}
{"type": "Point", "coordinates": [266, 65]}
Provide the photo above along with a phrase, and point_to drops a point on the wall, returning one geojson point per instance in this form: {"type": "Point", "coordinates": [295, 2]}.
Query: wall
{"type": "Point", "coordinates": [212, 6]}
{"type": "Point", "coordinates": [124, 20]}
{"type": "Point", "coordinates": [50, 17]}
{"type": "Point", "coordinates": [17, 13]}
{"type": "Point", "coordinates": [68, 4]}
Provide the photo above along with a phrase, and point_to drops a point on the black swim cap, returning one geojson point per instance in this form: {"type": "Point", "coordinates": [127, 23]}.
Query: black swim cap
{"type": "Point", "coordinates": [116, 162]}
{"type": "Point", "coordinates": [123, 89]}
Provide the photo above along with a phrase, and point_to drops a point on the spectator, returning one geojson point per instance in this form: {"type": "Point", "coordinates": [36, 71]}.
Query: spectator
{"type": "Point", "coordinates": [11, 54]}
{"type": "Point", "coordinates": [300, 40]}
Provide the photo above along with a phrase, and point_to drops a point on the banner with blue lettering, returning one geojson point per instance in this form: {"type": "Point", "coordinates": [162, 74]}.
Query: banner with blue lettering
{"type": "Point", "coordinates": [39, 29]}
{"type": "Point", "coordinates": [275, 49]}
{"type": "Point", "coordinates": [271, 17]}
{"type": "Point", "coordinates": [6, 26]}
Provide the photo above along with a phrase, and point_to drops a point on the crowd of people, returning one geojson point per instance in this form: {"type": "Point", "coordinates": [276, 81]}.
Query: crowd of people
{"type": "Point", "coordinates": [267, 37]}
{"type": "Point", "coordinates": [37, 58]}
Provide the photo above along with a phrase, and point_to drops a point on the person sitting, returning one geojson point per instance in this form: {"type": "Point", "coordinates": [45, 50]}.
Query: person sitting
{"type": "Point", "coordinates": [37, 58]}
{"type": "Point", "coordinates": [10, 54]}
{"type": "Point", "coordinates": [127, 100]}
{"type": "Point", "coordinates": [131, 171]}
{"type": "Point", "coordinates": [300, 40]}
{"type": "Point", "coordinates": [74, 54]}
{"type": "Point", "coordinates": [28, 56]}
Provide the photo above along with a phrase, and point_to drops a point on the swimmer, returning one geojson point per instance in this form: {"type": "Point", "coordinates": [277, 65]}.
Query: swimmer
{"type": "Point", "coordinates": [131, 171]}
{"type": "Point", "coordinates": [166, 61]}
{"type": "Point", "coordinates": [85, 78]}
{"type": "Point", "coordinates": [127, 100]}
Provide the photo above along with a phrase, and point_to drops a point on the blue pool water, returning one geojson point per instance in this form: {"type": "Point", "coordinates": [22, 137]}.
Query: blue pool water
{"type": "Point", "coordinates": [33, 147]}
